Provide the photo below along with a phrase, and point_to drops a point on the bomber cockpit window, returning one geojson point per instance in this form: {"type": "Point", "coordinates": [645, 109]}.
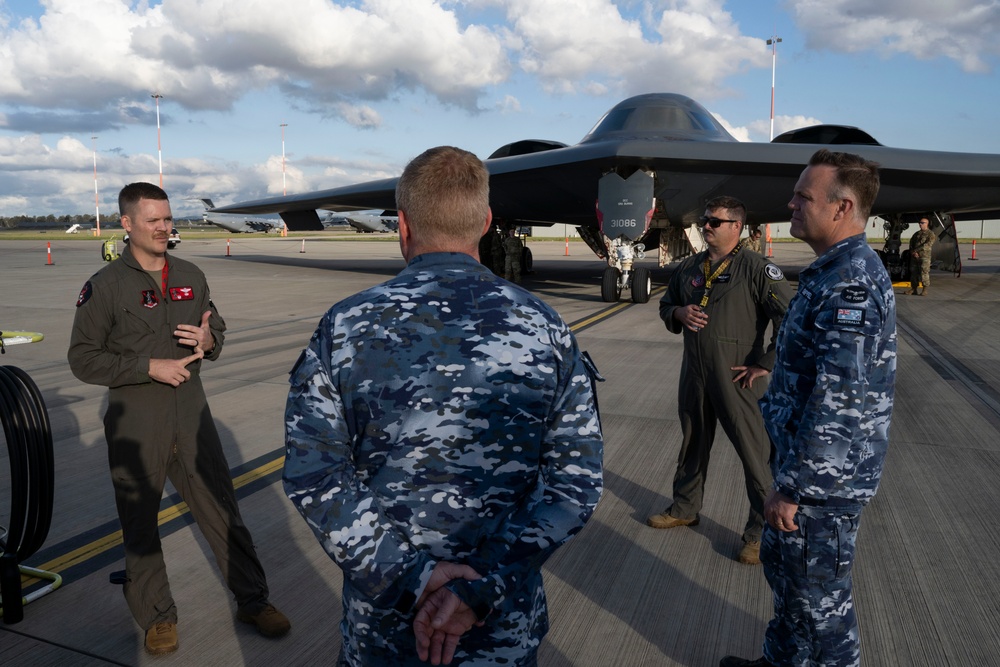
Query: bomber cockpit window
{"type": "Point", "coordinates": [653, 119]}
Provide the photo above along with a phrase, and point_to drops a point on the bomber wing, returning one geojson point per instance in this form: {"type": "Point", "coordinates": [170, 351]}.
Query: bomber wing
{"type": "Point", "coordinates": [691, 159]}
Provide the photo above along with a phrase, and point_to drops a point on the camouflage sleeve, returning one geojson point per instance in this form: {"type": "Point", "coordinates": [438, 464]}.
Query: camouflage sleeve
{"type": "Point", "coordinates": [570, 482]}
{"type": "Point", "coordinates": [321, 480]}
{"type": "Point", "coordinates": [825, 454]}
{"type": "Point", "coordinates": [926, 243]}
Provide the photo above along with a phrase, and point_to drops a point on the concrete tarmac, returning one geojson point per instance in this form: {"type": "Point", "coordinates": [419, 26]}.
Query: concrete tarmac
{"type": "Point", "coordinates": [926, 575]}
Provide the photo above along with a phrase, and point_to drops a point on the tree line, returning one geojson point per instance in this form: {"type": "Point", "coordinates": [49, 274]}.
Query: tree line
{"type": "Point", "coordinates": [55, 220]}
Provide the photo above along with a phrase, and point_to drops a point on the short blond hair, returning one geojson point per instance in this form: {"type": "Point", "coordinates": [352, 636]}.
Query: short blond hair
{"type": "Point", "coordinates": [445, 195]}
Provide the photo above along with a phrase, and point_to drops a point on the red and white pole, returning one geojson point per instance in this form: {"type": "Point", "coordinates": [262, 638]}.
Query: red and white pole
{"type": "Point", "coordinates": [773, 43]}
{"type": "Point", "coordinates": [48, 251]}
{"type": "Point", "coordinates": [227, 248]}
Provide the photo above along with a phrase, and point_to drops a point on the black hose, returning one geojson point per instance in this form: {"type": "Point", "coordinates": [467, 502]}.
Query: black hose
{"type": "Point", "coordinates": [32, 474]}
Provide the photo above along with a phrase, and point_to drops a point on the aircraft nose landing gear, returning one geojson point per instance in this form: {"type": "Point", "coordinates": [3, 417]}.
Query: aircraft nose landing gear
{"type": "Point", "coordinates": [621, 275]}
{"type": "Point", "coordinates": [624, 208]}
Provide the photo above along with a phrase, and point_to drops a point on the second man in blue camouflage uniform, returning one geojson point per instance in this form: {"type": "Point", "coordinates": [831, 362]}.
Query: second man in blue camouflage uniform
{"type": "Point", "coordinates": [827, 411]}
{"type": "Point", "coordinates": [442, 440]}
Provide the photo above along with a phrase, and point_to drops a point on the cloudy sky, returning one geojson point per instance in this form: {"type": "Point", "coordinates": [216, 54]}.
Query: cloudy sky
{"type": "Point", "coordinates": [363, 86]}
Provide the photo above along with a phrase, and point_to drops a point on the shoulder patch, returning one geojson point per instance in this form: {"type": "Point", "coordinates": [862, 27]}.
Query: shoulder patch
{"type": "Point", "coordinates": [773, 272]}
{"type": "Point", "coordinates": [85, 294]}
{"type": "Point", "coordinates": [854, 294]}
{"type": "Point", "coordinates": [852, 317]}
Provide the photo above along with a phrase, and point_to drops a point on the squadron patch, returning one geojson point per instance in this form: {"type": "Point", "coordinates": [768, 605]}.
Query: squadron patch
{"type": "Point", "coordinates": [698, 281]}
{"type": "Point", "coordinates": [181, 294]}
{"type": "Point", "coordinates": [854, 294]}
{"type": "Point", "coordinates": [850, 317]}
{"type": "Point", "coordinates": [149, 299]}
{"type": "Point", "coordinates": [85, 294]}
{"type": "Point", "coordinates": [773, 272]}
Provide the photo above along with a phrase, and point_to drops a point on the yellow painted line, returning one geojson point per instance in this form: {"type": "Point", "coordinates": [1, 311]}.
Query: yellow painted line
{"type": "Point", "coordinates": [604, 314]}
{"type": "Point", "coordinates": [112, 540]}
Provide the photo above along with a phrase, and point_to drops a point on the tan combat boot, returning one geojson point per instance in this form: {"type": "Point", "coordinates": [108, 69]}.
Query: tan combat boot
{"type": "Point", "coordinates": [161, 638]}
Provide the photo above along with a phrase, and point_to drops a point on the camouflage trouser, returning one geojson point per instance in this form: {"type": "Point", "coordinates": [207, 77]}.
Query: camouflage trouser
{"type": "Point", "coordinates": [920, 271]}
{"type": "Point", "coordinates": [512, 269]}
{"type": "Point", "coordinates": [809, 572]}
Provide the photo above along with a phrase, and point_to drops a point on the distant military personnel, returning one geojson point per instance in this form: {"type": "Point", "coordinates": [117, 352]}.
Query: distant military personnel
{"type": "Point", "coordinates": [442, 440]}
{"type": "Point", "coordinates": [512, 248]}
{"type": "Point", "coordinates": [827, 411]}
{"type": "Point", "coordinates": [753, 241]}
{"type": "Point", "coordinates": [723, 299]}
{"type": "Point", "coordinates": [921, 244]}
{"type": "Point", "coordinates": [497, 254]}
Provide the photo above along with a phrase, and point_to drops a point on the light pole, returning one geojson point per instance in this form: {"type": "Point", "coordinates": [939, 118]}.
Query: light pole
{"type": "Point", "coordinates": [159, 151]}
{"type": "Point", "coordinates": [284, 188]}
{"type": "Point", "coordinates": [773, 43]}
{"type": "Point", "coordinates": [97, 207]}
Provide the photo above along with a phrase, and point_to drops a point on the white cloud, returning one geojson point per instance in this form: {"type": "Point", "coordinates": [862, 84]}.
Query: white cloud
{"type": "Point", "coordinates": [961, 30]}
{"type": "Point", "coordinates": [203, 54]}
{"type": "Point", "coordinates": [86, 68]}
{"type": "Point", "coordinates": [575, 46]}
{"type": "Point", "coordinates": [739, 133]}
{"type": "Point", "coordinates": [760, 130]}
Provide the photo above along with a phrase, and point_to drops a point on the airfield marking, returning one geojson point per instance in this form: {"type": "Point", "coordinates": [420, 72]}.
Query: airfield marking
{"type": "Point", "coordinates": [972, 388]}
{"type": "Point", "coordinates": [166, 515]}
{"type": "Point", "coordinates": [99, 546]}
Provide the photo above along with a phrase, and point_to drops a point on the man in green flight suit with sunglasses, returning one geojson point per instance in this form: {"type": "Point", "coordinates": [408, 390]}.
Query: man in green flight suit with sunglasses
{"type": "Point", "coordinates": [722, 300]}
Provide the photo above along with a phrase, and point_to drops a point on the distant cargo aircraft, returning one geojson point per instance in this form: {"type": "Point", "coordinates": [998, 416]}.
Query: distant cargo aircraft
{"type": "Point", "coordinates": [640, 179]}
{"type": "Point", "coordinates": [238, 223]}
{"type": "Point", "coordinates": [373, 221]}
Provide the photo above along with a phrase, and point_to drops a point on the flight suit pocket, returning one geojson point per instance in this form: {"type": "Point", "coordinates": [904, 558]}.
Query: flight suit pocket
{"type": "Point", "coordinates": [134, 323]}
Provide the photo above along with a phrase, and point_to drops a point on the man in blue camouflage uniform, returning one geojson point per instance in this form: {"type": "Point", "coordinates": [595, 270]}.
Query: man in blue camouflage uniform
{"type": "Point", "coordinates": [442, 440]}
{"type": "Point", "coordinates": [827, 410]}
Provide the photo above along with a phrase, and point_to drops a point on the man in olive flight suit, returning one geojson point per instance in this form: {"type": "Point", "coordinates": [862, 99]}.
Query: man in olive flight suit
{"type": "Point", "coordinates": [723, 300]}
{"type": "Point", "coordinates": [143, 324]}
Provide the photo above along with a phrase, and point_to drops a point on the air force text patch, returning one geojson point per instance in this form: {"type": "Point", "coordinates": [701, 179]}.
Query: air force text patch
{"type": "Point", "coordinates": [850, 317]}
{"type": "Point", "coordinates": [854, 294]}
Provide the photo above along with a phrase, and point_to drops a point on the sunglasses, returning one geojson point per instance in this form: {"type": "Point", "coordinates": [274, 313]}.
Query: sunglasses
{"type": "Point", "coordinates": [712, 222]}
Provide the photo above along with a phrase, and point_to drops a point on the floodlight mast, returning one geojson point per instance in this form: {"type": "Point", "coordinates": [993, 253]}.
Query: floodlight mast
{"type": "Point", "coordinates": [97, 206]}
{"type": "Point", "coordinates": [284, 188]}
{"type": "Point", "coordinates": [159, 150]}
{"type": "Point", "coordinates": [773, 42]}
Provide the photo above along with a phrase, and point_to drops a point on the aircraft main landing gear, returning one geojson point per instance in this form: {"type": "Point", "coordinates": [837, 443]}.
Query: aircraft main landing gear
{"type": "Point", "coordinates": [638, 281]}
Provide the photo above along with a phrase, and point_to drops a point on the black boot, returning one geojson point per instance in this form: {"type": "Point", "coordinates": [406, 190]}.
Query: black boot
{"type": "Point", "coordinates": [733, 661]}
